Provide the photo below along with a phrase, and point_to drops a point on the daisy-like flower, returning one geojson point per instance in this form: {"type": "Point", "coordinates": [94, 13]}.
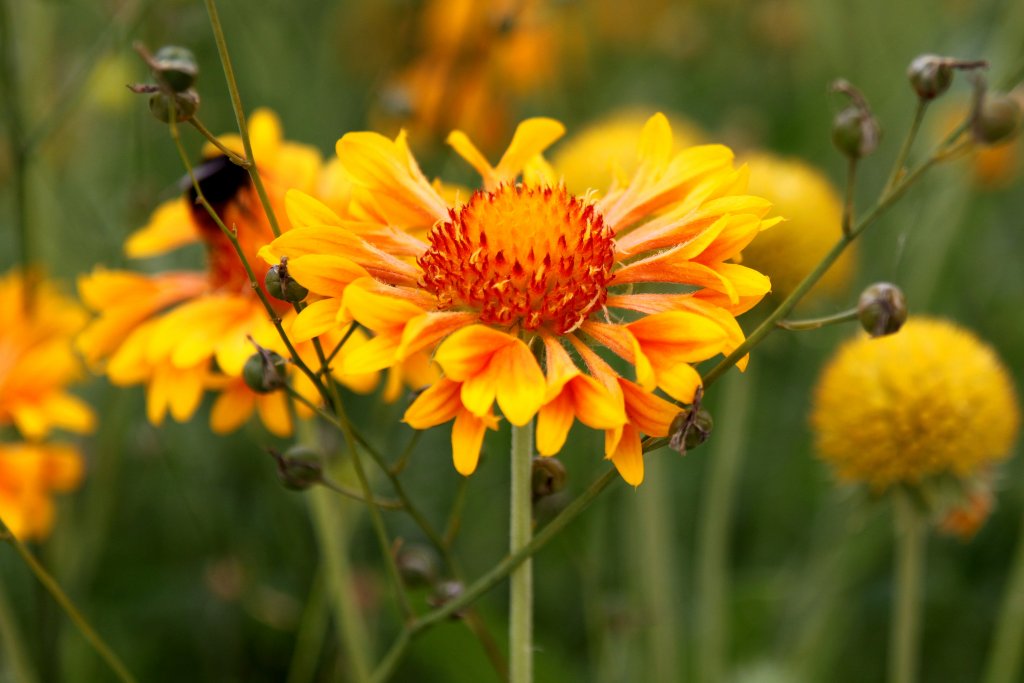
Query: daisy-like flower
{"type": "Point", "coordinates": [181, 333]}
{"type": "Point", "coordinates": [37, 363]}
{"type": "Point", "coordinates": [929, 401]}
{"type": "Point", "coordinates": [528, 296]}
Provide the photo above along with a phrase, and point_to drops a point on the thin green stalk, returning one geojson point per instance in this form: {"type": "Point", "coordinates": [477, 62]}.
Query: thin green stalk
{"type": "Point", "coordinates": [454, 523]}
{"type": "Point", "coordinates": [309, 640]}
{"type": "Point", "coordinates": [904, 643]}
{"type": "Point", "coordinates": [520, 615]}
{"type": "Point", "coordinates": [713, 535]}
{"type": "Point", "coordinates": [818, 323]}
{"type": "Point", "coordinates": [1005, 655]}
{"type": "Point", "coordinates": [851, 185]}
{"type": "Point", "coordinates": [205, 132]}
{"type": "Point", "coordinates": [493, 577]}
{"type": "Point", "coordinates": [61, 598]}
{"type": "Point", "coordinates": [236, 104]}
{"type": "Point", "coordinates": [332, 535]}
{"type": "Point", "coordinates": [656, 572]}
{"type": "Point", "coordinates": [20, 155]}
{"type": "Point", "coordinates": [12, 646]}
{"type": "Point", "coordinates": [908, 142]}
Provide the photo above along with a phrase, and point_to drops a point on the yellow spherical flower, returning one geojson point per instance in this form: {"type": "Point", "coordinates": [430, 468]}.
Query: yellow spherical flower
{"type": "Point", "coordinates": [606, 149]}
{"type": "Point", "coordinates": [813, 215]}
{"type": "Point", "coordinates": [523, 269]}
{"type": "Point", "coordinates": [29, 476]}
{"type": "Point", "coordinates": [929, 400]}
{"type": "Point", "coordinates": [184, 332]}
{"type": "Point", "coordinates": [37, 359]}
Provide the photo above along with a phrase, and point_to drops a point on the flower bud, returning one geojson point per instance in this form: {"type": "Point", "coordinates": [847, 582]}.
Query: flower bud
{"type": "Point", "coordinates": [186, 104]}
{"type": "Point", "coordinates": [690, 428]}
{"type": "Point", "coordinates": [299, 468]}
{"type": "Point", "coordinates": [548, 476]}
{"type": "Point", "coordinates": [265, 371]}
{"type": "Point", "coordinates": [930, 75]}
{"type": "Point", "coordinates": [175, 66]}
{"type": "Point", "coordinates": [882, 309]}
{"type": "Point", "coordinates": [417, 564]}
{"type": "Point", "coordinates": [281, 285]}
{"type": "Point", "coordinates": [996, 118]}
{"type": "Point", "coordinates": [445, 592]}
{"type": "Point", "coordinates": [855, 132]}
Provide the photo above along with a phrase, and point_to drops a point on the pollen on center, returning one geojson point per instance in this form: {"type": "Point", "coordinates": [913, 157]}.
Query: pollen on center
{"type": "Point", "coordinates": [522, 256]}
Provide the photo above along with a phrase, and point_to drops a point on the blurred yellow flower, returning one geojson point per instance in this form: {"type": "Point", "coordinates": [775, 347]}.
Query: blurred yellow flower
{"type": "Point", "coordinates": [929, 400]}
{"type": "Point", "coordinates": [524, 267]}
{"type": "Point", "coordinates": [606, 149]}
{"type": "Point", "coordinates": [29, 475]}
{"type": "Point", "coordinates": [181, 333]}
{"type": "Point", "coordinates": [813, 213]}
{"type": "Point", "coordinates": [37, 359]}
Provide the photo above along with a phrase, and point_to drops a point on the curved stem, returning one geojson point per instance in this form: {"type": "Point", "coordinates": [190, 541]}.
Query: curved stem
{"type": "Point", "coordinates": [205, 132]}
{"type": "Point", "coordinates": [818, 323]}
{"type": "Point", "coordinates": [236, 104]}
{"type": "Point", "coordinates": [906, 615]}
{"type": "Point", "coordinates": [908, 142]}
{"type": "Point", "coordinates": [55, 591]}
{"type": "Point", "coordinates": [520, 617]}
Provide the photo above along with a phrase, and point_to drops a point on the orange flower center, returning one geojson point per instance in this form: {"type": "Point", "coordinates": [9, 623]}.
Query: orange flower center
{"type": "Point", "coordinates": [526, 256]}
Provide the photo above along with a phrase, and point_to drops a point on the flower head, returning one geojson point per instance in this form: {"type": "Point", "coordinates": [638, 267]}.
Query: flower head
{"type": "Point", "coordinates": [521, 291]}
{"type": "Point", "coordinates": [928, 401]}
{"type": "Point", "coordinates": [181, 333]}
{"type": "Point", "coordinates": [813, 225]}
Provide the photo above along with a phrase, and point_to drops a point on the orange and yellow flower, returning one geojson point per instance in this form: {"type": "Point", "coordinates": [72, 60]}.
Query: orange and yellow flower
{"type": "Point", "coordinates": [37, 363]}
{"type": "Point", "coordinates": [521, 271]}
{"type": "Point", "coordinates": [181, 333]}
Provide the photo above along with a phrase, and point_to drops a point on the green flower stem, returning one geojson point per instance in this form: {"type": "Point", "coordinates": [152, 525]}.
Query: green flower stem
{"type": "Point", "coordinates": [12, 647]}
{"type": "Point", "coordinates": [253, 282]}
{"type": "Point", "coordinates": [657, 578]}
{"type": "Point", "coordinates": [1005, 655]}
{"type": "Point", "coordinates": [61, 598]}
{"type": "Point", "coordinates": [493, 577]}
{"type": "Point", "coordinates": [904, 640]}
{"type": "Point", "coordinates": [818, 323]}
{"type": "Point", "coordinates": [520, 616]}
{"type": "Point", "coordinates": [908, 142]}
{"type": "Point", "coordinates": [332, 535]}
{"type": "Point", "coordinates": [205, 132]}
{"type": "Point", "coordinates": [20, 151]}
{"type": "Point", "coordinates": [713, 534]}
{"type": "Point", "coordinates": [851, 184]}
{"type": "Point", "coordinates": [309, 640]}
{"type": "Point", "coordinates": [236, 104]}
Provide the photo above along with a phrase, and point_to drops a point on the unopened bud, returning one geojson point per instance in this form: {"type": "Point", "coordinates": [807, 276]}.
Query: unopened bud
{"type": "Point", "coordinates": [417, 564]}
{"type": "Point", "coordinates": [690, 428]}
{"type": "Point", "coordinates": [548, 476]}
{"type": "Point", "coordinates": [175, 66]}
{"type": "Point", "coordinates": [299, 468]}
{"type": "Point", "coordinates": [882, 309]}
{"type": "Point", "coordinates": [996, 118]}
{"type": "Point", "coordinates": [855, 132]}
{"type": "Point", "coordinates": [186, 104]}
{"type": "Point", "coordinates": [281, 285]}
{"type": "Point", "coordinates": [445, 592]}
{"type": "Point", "coordinates": [930, 75]}
{"type": "Point", "coordinates": [265, 371]}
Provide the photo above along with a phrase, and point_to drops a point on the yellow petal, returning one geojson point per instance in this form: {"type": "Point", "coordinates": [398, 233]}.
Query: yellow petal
{"type": "Point", "coordinates": [378, 312]}
{"type": "Point", "coordinates": [628, 457]}
{"type": "Point", "coordinates": [184, 391]}
{"type": "Point", "coordinates": [648, 412]}
{"type": "Point", "coordinates": [325, 274]}
{"type": "Point", "coordinates": [468, 351]}
{"type": "Point", "coordinates": [315, 319]}
{"type": "Point", "coordinates": [465, 148]}
{"type": "Point", "coordinates": [231, 409]}
{"type": "Point", "coordinates": [170, 227]}
{"type": "Point", "coordinates": [594, 405]}
{"type": "Point", "coordinates": [376, 354]}
{"type": "Point", "coordinates": [553, 423]}
{"type": "Point", "coordinates": [467, 439]}
{"type": "Point", "coordinates": [532, 137]}
{"type": "Point", "coordinates": [304, 210]}
{"type": "Point", "coordinates": [273, 411]}
{"type": "Point", "coordinates": [519, 382]}
{"type": "Point", "coordinates": [437, 404]}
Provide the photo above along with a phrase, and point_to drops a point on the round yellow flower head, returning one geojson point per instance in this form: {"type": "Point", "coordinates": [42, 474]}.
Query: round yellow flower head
{"type": "Point", "coordinates": [813, 212]}
{"type": "Point", "coordinates": [929, 400]}
{"type": "Point", "coordinates": [606, 149]}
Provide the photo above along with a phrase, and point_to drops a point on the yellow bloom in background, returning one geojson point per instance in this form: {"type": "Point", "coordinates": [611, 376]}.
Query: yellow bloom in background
{"type": "Point", "coordinates": [30, 474]}
{"type": "Point", "coordinates": [606, 149]}
{"type": "Point", "coordinates": [927, 401]}
{"type": "Point", "coordinates": [813, 213]}
{"type": "Point", "coordinates": [38, 361]}
{"type": "Point", "coordinates": [521, 270]}
{"type": "Point", "coordinates": [182, 333]}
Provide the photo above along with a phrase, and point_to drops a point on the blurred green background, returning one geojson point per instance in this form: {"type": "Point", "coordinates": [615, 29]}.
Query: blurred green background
{"type": "Point", "coordinates": [192, 560]}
